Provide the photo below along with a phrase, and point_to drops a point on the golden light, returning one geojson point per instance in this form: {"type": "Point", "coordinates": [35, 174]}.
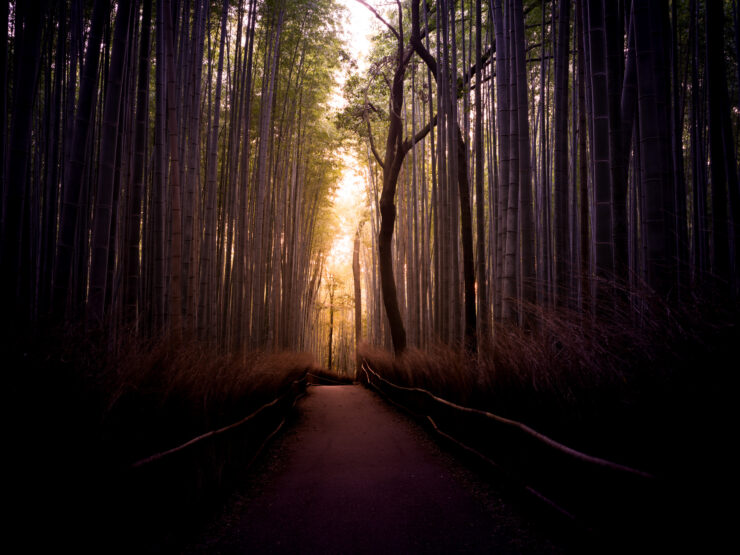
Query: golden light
{"type": "Point", "coordinates": [349, 199]}
{"type": "Point", "coordinates": [356, 30]}
{"type": "Point", "coordinates": [349, 202]}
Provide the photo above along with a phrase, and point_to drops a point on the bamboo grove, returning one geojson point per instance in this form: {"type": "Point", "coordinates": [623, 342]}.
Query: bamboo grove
{"type": "Point", "coordinates": [165, 164]}
{"type": "Point", "coordinates": [537, 155]}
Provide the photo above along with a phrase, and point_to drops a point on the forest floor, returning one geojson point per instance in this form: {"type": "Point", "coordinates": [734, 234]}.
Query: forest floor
{"type": "Point", "coordinates": [354, 475]}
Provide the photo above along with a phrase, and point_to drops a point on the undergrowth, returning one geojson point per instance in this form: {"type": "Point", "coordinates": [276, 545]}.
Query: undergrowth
{"type": "Point", "coordinates": [84, 407]}
{"type": "Point", "coordinates": [637, 382]}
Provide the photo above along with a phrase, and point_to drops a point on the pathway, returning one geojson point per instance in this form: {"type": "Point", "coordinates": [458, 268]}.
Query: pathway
{"type": "Point", "coordinates": [355, 476]}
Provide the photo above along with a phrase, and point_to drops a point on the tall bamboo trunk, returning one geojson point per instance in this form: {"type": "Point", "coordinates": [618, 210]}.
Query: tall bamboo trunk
{"type": "Point", "coordinates": [603, 203]}
{"type": "Point", "coordinates": [15, 271]}
{"type": "Point", "coordinates": [563, 257]}
{"type": "Point", "coordinates": [483, 309]}
{"type": "Point", "coordinates": [132, 266]}
{"type": "Point", "coordinates": [207, 267]}
{"type": "Point", "coordinates": [104, 197]}
{"type": "Point", "coordinates": [502, 120]}
{"type": "Point", "coordinates": [74, 165]}
{"type": "Point", "coordinates": [723, 163]}
{"type": "Point", "coordinates": [175, 192]}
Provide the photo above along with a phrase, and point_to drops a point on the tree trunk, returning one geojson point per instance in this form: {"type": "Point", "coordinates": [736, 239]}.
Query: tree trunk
{"type": "Point", "coordinates": [105, 187]}
{"type": "Point", "coordinates": [560, 221]}
{"type": "Point", "coordinates": [723, 165]}
{"type": "Point", "coordinates": [15, 272]}
{"type": "Point", "coordinates": [175, 193]}
{"type": "Point", "coordinates": [74, 164]}
{"type": "Point", "coordinates": [466, 226]}
{"type": "Point", "coordinates": [132, 266]}
{"type": "Point", "coordinates": [655, 166]}
{"type": "Point", "coordinates": [483, 309]}
{"type": "Point", "coordinates": [207, 263]}
{"type": "Point", "coordinates": [603, 213]}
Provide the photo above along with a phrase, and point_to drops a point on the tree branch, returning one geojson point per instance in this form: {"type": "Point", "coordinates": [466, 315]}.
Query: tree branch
{"type": "Point", "coordinates": [416, 40]}
{"type": "Point", "coordinates": [407, 54]}
{"type": "Point", "coordinates": [425, 55]}
{"type": "Point", "coordinates": [381, 18]}
{"type": "Point", "coordinates": [370, 131]}
{"type": "Point", "coordinates": [410, 142]}
{"type": "Point", "coordinates": [376, 154]}
{"type": "Point", "coordinates": [484, 60]}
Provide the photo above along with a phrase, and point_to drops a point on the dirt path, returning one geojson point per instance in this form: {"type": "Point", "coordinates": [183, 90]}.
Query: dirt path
{"type": "Point", "coordinates": [355, 476]}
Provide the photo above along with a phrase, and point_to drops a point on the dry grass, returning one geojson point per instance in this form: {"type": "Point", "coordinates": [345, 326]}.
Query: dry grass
{"type": "Point", "coordinates": [83, 409]}
{"type": "Point", "coordinates": [621, 383]}
{"type": "Point", "coordinates": [441, 369]}
{"type": "Point", "coordinates": [135, 396]}
{"type": "Point", "coordinates": [157, 393]}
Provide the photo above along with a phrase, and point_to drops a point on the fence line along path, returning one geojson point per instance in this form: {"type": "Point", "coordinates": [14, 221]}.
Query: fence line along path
{"type": "Point", "coordinates": [355, 476]}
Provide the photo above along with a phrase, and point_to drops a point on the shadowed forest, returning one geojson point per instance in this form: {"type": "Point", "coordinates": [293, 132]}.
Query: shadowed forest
{"type": "Point", "coordinates": [525, 211]}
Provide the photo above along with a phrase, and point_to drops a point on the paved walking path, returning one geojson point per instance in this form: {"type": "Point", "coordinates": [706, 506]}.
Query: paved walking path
{"type": "Point", "coordinates": [355, 476]}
